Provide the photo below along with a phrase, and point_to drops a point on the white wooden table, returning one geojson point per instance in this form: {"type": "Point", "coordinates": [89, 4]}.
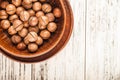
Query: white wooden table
{"type": "Point", "coordinates": [93, 52]}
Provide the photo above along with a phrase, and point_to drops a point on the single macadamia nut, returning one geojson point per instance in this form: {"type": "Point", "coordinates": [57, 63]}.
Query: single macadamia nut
{"type": "Point", "coordinates": [43, 20]}
{"type": "Point", "coordinates": [26, 40]}
{"type": "Point", "coordinates": [27, 2]}
{"type": "Point", "coordinates": [39, 41]}
{"type": "Point", "coordinates": [24, 16]}
{"type": "Point", "coordinates": [57, 12]}
{"type": "Point", "coordinates": [18, 25]}
{"type": "Point", "coordinates": [31, 12]}
{"type": "Point", "coordinates": [41, 27]}
{"type": "Point", "coordinates": [21, 46]}
{"type": "Point", "coordinates": [33, 21]}
{"type": "Point", "coordinates": [27, 6]}
{"type": "Point", "coordinates": [13, 17]}
{"type": "Point", "coordinates": [45, 34]}
{"type": "Point", "coordinates": [17, 2]}
{"type": "Point", "coordinates": [33, 29]}
{"type": "Point", "coordinates": [16, 39]}
{"type": "Point", "coordinates": [39, 13]}
{"type": "Point", "coordinates": [37, 6]}
{"type": "Point", "coordinates": [32, 47]}
{"type": "Point", "coordinates": [3, 14]}
{"type": "Point", "coordinates": [23, 32]}
{"type": "Point", "coordinates": [10, 9]}
{"type": "Point", "coordinates": [51, 17]}
{"type": "Point", "coordinates": [5, 24]}
{"type": "Point", "coordinates": [31, 37]}
{"type": "Point", "coordinates": [46, 8]}
{"type": "Point", "coordinates": [52, 27]}
{"type": "Point", "coordinates": [4, 4]}
{"type": "Point", "coordinates": [12, 30]}
{"type": "Point", "coordinates": [19, 10]}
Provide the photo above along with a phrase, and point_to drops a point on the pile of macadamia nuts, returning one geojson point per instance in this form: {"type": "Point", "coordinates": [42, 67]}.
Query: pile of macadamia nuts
{"type": "Point", "coordinates": [28, 22]}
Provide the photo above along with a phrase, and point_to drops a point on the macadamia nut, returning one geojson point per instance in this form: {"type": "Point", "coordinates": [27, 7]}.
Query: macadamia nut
{"type": "Point", "coordinates": [3, 14]}
{"type": "Point", "coordinates": [17, 25]}
{"type": "Point", "coordinates": [32, 47]}
{"type": "Point", "coordinates": [10, 9]}
{"type": "Point", "coordinates": [45, 34]}
{"type": "Point", "coordinates": [24, 16]}
{"type": "Point", "coordinates": [4, 4]}
{"type": "Point", "coordinates": [5, 24]}
{"type": "Point", "coordinates": [16, 39]}
{"type": "Point", "coordinates": [17, 2]}
{"type": "Point", "coordinates": [33, 21]}
{"type": "Point", "coordinates": [23, 32]}
{"type": "Point", "coordinates": [46, 8]}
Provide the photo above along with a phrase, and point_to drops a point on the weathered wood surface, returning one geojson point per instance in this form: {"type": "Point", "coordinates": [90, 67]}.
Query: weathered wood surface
{"type": "Point", "coordinates": [93, 52]}
{"type": "Point", "coordinates": [103, 40]}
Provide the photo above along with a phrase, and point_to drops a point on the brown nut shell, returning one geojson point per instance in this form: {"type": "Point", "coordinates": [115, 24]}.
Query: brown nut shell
{"type": "Point", "coordinates": [33, 29]}
{"type": "Point", "coordinates": [12, 30]}
{"type": "Point", "coordinates": [5, 24]}
{"type": "Point", "coordinates": [26, 2]}
{"type": "Point", "coordinates": [52, 27]}
{"type": "Point", "coordinates": [33, 21]}
{"type": "Point", "coordinates": [31, 12]}
{"type": "Point", "coordinates": [51, 17]}
{"type": "Point", "coordinates": [27, 6]}
{"type": "Point", "coordinates": [45, 34]}
{"type": "Point", "coordinates": [32, 47]}
{"type": "Point", "coordinates": [46, 8]}
{"type": "Point", "coordinates": [3, 14]}
{"type": "Point", "coordinates": [10, 9]}
{"type": "Point", "coordinates": [16, 39]}
{"type": "Point", "coordinates": [43, 20]}
{"type": "Point", "coordinates": [18, 25]}
{"type": "Point", "coordinates": [19, 10]}
{"type": "Point", "coordinates": [21, 46]}
{"type": "Point", "coordinates": [13, 17]}
{"type": "Point", "coordinates": [23, 32]}
{"type": "Point", "coordinates": [37, 6]}
{"type": "Point", "coordinates": [17, 2]}
{"type": "Point", "coordinates": [39, 13]}
{"type": "Point", "coordinates": [31, 37]}
{"type": "Point", "coordinates": [24, 16]}
{"type": "Point", "coordinates": [39, 41]}
{"type": "Point", "coordinates": [57, 12]}
{"type": "Point", "coordinates": [41, 27]}
{"type": "Point", "coordinates": [4, 4]}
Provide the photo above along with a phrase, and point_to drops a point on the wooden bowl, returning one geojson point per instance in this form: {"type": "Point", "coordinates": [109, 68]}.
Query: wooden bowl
{"type": "Point", "coordinates": [51, 46]}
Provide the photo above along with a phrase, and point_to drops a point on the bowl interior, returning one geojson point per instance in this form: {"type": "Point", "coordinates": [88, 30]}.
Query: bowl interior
{"type": "Point", "coordinates": [9, 47]}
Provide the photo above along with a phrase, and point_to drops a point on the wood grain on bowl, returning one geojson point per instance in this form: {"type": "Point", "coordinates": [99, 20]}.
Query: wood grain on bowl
{"type": "Point", "coordinates": [51, 46]}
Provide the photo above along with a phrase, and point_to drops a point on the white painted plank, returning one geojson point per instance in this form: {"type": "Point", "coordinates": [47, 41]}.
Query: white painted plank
{"type": "Point", "coordinates": [69, 63]}
{"type": "Point", "coordinates": [102, 43]}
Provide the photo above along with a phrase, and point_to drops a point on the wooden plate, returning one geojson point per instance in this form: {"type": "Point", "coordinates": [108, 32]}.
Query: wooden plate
{"type": "Point", "coordinates": [51, 46]}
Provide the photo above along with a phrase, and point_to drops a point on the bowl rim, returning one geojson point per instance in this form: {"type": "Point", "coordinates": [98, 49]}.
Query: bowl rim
{"type": "Point", "coordinates": [12, 57]}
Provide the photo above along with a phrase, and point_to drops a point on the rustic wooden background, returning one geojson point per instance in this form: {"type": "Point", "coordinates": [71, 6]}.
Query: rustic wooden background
{"type": "Point", "coordinates": [93, 52]}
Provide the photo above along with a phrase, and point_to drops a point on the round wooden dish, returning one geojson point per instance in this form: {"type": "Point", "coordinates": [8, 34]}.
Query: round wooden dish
{"type": "Point", "coordinates": [51, 46]}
